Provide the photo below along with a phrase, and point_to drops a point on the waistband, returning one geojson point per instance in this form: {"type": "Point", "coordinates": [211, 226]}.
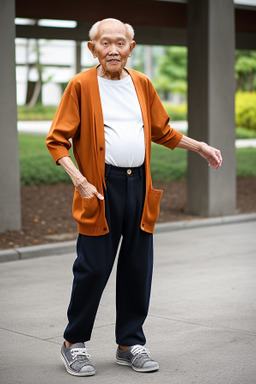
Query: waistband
{"type": "Point", "coordinates": [124, 171]}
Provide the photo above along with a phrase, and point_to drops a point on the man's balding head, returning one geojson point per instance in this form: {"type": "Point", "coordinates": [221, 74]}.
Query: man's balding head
{"type": "Point", "coordinates": [106, 23]}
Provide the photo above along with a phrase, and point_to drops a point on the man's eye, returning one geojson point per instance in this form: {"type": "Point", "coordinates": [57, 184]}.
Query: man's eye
{"type": "Point", "coordinates": [105, 43]}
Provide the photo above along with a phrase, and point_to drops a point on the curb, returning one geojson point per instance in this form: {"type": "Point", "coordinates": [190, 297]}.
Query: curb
{"type": "Point", "coordinates": [208, 222]}
{"type": "Point", "coordinates": [70, 246]}
{"type": "Point", "coordinates": [37, 251]}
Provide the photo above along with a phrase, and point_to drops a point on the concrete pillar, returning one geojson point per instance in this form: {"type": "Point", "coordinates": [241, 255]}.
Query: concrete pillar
{"type": "Point", "coordinates": [211, 89]}
{"type": "Point", "coordinates": [10, 212]}
{"type": "Point", "coordinates": [148, 61]}
{"type": "Point", "coordinates": [78, 56]}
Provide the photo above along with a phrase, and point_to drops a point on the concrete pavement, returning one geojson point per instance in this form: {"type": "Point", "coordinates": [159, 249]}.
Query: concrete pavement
{"type": "Point", "coordinates": [201, 326]}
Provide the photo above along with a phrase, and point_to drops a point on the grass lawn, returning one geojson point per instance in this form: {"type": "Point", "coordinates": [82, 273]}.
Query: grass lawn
{"type": "Point", "coordinates": [243, 133]}
{"type": "Point", "coordinates": [37, 166]}
{"type": "Point", "coordinates": [246, 162]}
{"type": "Point", "coordinates": [38, 112]}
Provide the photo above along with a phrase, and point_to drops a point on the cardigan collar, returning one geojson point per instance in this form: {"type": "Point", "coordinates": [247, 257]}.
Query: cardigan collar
{"type": "Point", "coordinates": [97, 100]}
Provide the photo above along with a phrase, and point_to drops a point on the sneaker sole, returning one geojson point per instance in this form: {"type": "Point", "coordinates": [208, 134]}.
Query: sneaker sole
{"type": "Point", "coordinates": [127, 363]}
{"type": "Point", "coordinates": [74, 373]}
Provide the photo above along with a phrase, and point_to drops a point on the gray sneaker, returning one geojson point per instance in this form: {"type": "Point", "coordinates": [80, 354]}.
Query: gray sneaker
{"type": "Point", "coordinates": [138, 358]}
{"type": "Point", "coordinates": [76, 360]}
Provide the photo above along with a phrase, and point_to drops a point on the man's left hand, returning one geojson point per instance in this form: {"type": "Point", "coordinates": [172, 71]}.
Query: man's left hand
{"type": "Point", "coordinates": [211, 155]}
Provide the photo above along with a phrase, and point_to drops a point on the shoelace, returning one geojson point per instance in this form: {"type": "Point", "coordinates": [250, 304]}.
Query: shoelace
{"type": "Point", "coordinates": [138, 351]}
{"type": "Point", "coordinates": [79, 352]}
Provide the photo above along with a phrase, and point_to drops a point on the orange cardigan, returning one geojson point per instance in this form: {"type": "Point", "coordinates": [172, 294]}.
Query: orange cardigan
{"type": "Point", "coordinates": [79, 116]}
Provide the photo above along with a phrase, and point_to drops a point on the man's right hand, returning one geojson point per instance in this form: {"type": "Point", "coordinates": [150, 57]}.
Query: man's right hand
{"type": "Point", "coordinates": [86, 189]}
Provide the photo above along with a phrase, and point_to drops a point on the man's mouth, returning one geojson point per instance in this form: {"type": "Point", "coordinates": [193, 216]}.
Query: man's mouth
{"type": "Point", "coordinates": [113, 60]}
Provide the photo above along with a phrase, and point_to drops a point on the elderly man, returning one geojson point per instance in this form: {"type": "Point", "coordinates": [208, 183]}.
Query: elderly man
{"type": "Point", "coordinates": [112, 114]}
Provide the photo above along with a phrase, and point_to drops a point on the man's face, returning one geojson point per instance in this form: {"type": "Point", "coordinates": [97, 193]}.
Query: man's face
{"type": "Point", "coordinates": [112, 46]}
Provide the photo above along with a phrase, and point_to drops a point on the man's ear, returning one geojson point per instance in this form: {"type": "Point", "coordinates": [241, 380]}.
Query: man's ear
{"type": "Point", "coordinates": [132, 46]}
{"type": "Point", "coordinates": [90, 45]}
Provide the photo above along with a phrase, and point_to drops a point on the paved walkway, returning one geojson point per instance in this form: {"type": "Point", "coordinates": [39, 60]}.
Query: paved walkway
{"type": "Point", "coordinates": [42, 127]}
{"type": "Point", "coordinates": [201, 327]}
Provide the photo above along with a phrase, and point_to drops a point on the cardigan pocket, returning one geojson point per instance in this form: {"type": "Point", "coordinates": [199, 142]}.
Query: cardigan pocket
{"type": "Point", "coordinates": [89, 213]}
{"type": "Point", "coordinates": [91, 208]}
{"type": "Point", "coordinates": [152, 213]}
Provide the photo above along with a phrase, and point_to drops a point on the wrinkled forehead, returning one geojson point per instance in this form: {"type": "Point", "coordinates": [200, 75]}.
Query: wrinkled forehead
{"type": "Point", "coordinates": [112, 29]}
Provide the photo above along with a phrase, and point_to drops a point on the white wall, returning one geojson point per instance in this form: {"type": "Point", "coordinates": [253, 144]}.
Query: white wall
{"type": "Point", "coordinates": [58, 57]}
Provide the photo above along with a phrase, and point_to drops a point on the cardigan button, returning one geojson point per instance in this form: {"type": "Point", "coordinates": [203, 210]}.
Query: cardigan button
{"type": "Point", "coordinates": [104, 229]}
{"type": "Point", "coordinates": [101, 148]}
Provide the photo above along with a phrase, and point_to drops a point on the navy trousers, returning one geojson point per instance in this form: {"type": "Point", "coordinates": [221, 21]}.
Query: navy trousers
{"type": "Point", "coordinates": [124, 198]}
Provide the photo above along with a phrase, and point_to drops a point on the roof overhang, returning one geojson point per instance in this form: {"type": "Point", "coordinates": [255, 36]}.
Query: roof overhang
{"type": "Point", "coordinates": [155, 22]}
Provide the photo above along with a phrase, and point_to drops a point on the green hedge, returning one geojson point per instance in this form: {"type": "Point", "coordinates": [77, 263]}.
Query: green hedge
{"type": "Point", "coordinates": [176, 112]}
{"type": "Point", "coordinates": [243, 133]}
{"type": "Point", "coordinates": [37, 166]}
{"type": "Point", "coordinates": [246, 110]}
{"type": "Point", "coordinates": [38, 112]}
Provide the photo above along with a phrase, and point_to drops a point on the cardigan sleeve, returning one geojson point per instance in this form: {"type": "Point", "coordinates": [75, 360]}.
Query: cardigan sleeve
{"type": "Point", "coordinates": [161, 132]}
{"type": "Point", "coordinates": [65, 124]}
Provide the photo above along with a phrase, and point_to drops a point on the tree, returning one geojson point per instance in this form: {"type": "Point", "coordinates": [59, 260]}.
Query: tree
{"type": "Point", "coordinates": [245, 70]}
{"type": "Point", "coordinates": [34, 89]}
{"type": "Point", "coordinates": [37, 89]}
{"type": "Point", "coordinates": [172, 71]}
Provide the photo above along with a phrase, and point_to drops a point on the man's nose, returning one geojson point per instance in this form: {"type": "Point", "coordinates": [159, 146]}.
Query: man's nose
{"type": "Point", "coordinates": [113, 50]}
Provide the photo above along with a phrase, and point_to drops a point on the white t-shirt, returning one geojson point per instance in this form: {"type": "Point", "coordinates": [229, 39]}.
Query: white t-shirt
{"type": "Point", "coordinates": [123, 124]}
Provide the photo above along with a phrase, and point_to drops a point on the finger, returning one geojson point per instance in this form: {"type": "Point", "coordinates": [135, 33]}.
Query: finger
{"type": "Point", "coordinates": [218, 157]}
{"type": "Point", "coordinates": [89, 191]}
{"type": "Point", "coordinates": [218, 153]}
{"type": "Point", "coordinates": [85, 192]}
{"type": "Point", "coordinates": [214, 163]}
{"type": "Point", "coordinates": [217, 165]}
{"type": "Point", "coordinates": [96, 193]}
{"type": "Point", "coordinates": [100, 197]}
